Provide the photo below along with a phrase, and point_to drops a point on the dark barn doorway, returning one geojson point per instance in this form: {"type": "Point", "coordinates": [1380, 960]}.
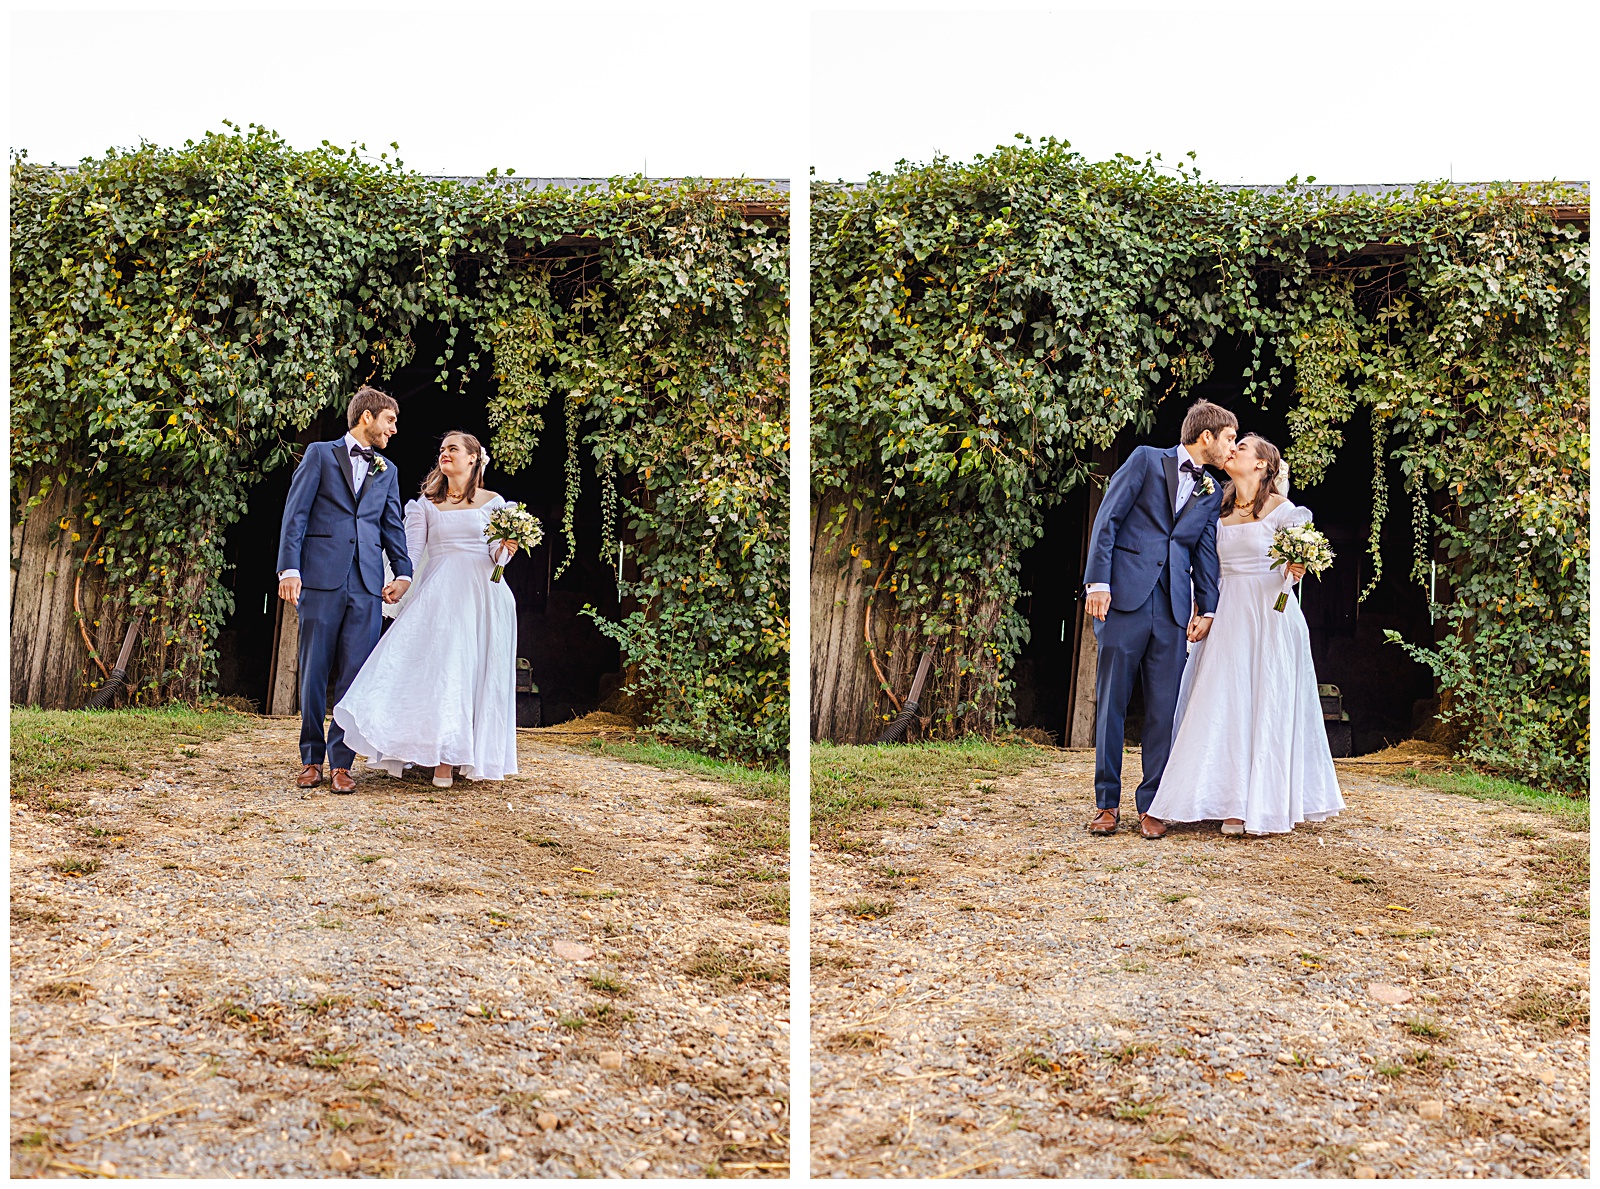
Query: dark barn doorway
{"type": "Point", "coordinates": [1388, 696]}
{"type": "Point", "coordinates": [575, 667]}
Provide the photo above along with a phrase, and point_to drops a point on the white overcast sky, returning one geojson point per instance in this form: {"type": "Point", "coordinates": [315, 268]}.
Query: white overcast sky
{"type": "Point", "coordinates": [1353, 91]}
{"type": "Point", "coordinates": [564, 91]}
{"type": "Point", "coordinates": [1349, 92]}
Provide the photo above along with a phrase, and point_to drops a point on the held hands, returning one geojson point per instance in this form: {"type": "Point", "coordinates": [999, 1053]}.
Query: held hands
{"type": "Point", "coordinates": [289, 590]}
{"type": "Point", "coordinates": [392, 592]}
{"type": "Point", "coordinates": [1199, 625]}
{"type": "Point", "coordinates": [1098, 603]}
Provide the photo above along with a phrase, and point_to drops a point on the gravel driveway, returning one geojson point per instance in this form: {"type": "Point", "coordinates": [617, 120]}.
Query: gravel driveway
{"type": "Point", "coordinates": [1400, 992]}
{"type": "Point", "coordinates": [216, 974]}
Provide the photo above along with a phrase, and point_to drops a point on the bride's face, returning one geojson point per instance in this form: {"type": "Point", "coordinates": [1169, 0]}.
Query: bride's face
{"type": "Point", "coordinates": [454, 460]}
{"type": "Point", "coordinates": [1242, 461]}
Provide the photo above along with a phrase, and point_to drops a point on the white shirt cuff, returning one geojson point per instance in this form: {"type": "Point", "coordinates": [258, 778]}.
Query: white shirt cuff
{"type": "Point", "coordinates": [1098, 588]}
{"type": "Point", "coordinates": [1209, 615]}
{"type": "Point", "coordinates": [282, 574]}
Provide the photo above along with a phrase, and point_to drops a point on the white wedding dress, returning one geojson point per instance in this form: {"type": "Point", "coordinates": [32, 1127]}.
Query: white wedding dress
{"type": "Point", "coordinates": [441, 685]}
{"type": "Point", "coordinates": [1248, 740]}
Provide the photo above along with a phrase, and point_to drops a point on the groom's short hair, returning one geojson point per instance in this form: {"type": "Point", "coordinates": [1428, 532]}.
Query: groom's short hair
{"type": "Point", "coordinates": [1204, 415]}
{"type": "Point", "coordinates": [369, 400]}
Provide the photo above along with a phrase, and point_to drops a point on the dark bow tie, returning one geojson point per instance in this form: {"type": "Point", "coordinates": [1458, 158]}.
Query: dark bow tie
{"type": "Point", "coordinates": [1194, 469]}
{"type": "Point", "coordinates": [365, 452]}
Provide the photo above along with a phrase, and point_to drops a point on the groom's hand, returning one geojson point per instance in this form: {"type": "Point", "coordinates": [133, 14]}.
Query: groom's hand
{"type": "Point", "coordinates": [289, 590]}
{"type": "Point", "coordinates": [392, 592]}
{"type": "Point", "coordinates": [1098, 603]}
{"type": "Point", "coordinates": [1198, 627]}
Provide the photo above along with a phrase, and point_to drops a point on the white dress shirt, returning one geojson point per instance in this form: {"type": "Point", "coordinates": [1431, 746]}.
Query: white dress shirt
{"type": "Point", "coordinates": [358, 468]}
{"type": "Point", "coordinates": [1185, 490]}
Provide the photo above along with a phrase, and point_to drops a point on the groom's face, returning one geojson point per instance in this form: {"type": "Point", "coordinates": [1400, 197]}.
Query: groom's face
{"type": "Point", "coordinates": [381, 427]}
{"type": "Point", "coordinates": [1216, 448]}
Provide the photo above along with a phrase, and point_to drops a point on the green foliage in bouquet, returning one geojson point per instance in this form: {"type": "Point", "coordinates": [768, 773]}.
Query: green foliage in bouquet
{"type": "Point", "coordinates": [978, 329]}
{"type": "Point", "coordinates": [177, 315]}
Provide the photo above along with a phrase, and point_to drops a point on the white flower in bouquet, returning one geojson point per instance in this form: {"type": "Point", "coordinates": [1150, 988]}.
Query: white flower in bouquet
{"type": "Point", "coordinates": [515, 525]}
{"type": "Point", "coordinates": [1299, 545]}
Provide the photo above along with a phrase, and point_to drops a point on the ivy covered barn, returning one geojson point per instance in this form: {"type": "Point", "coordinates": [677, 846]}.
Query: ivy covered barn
{"type": "Point", "coordinates": [990, 340]}
{"type": "Point", "coordinates": [184, 321]}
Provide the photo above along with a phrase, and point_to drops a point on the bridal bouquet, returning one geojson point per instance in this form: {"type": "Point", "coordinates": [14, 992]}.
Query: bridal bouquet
{"type": "Point", "coordinates": [1298, 545]}
{"type": "Point", "coordinates": [517, 526]}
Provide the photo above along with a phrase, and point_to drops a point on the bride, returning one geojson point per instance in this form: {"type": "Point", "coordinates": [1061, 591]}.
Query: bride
{"type": "Point", "coordinates": [439, 690]}
{"type": "Point", "coordinates": [1248, 743]}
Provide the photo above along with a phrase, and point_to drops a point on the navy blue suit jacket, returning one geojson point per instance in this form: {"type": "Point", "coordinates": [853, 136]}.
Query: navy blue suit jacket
{"type": "Point", "coordinates": [1136, 537]}
{"type": "Point", "coordinates": [328, 526]}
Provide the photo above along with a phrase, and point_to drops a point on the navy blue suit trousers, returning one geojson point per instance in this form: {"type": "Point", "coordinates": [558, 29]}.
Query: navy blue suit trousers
{"type": "Point", "coordinates": [1148, 644]}
{"type": "Point", "coordinates": [338, 631]}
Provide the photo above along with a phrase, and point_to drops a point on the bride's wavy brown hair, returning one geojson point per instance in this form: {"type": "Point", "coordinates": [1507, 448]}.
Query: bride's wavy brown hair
{"type": "Point", "coordinates": [437, 486]}
{"type": "Point", "coordinates": [1267, 453]}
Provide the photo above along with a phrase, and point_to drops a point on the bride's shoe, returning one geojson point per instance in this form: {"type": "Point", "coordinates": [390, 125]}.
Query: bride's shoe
{"type": "Point", "coordinates": [1233, 825]}
{"type": "Point", "coordinates": [445, 781]}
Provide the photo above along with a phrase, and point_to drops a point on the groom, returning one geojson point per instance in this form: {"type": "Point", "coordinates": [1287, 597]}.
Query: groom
{"type": "Point", "coordinates": [343, 508]}
{"type": "Point", "coordinates": [1151, 582]}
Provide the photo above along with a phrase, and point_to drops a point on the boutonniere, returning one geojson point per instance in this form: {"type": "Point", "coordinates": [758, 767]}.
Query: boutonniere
{"type": "Point", "coordinates": [380, 464]}
{"type": "Point", "coordinates": [1207, 487]}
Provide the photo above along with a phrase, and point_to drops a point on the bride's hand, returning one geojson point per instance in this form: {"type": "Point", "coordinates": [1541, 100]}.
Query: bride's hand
{"type": "Point", "coordinates": [510, 548]}
{"type": "Point", "coordinates": [1296, 572]}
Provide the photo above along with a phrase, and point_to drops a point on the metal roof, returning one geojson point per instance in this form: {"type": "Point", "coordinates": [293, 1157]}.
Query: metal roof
{"type": "Point", "coordinates": [1349, 189]}
{"type": "Point", "coordinates": [779, 184]}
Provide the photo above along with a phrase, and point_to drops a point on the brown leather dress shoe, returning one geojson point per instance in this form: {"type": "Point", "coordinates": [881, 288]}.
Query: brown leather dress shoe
{"type": "Point", "coordinates": [1105, 821]}
{"type": "Point", "coordinates": [343, 782]}
{"type": "Point", "coordinates": [1151, 827]}
{"type": "Point", "coordinates": [310, 776]}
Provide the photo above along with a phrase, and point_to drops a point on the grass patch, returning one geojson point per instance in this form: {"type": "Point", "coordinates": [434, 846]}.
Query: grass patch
{"type": "Point", "coordinates": [70, 990]}
{"type": "Point", "coordinates": [1570, 812]}
{"type": "Point", "coordinates": [608, 984]}
{"type": "Point", "coordinates": [770, 784]}
{"type": "Point", "coordinates": [856, 1040]}
{"type": "Point", "coordinates": [1553, 1009]}
{"type": "Point", "coordinates": [734, 969]}
{"type": "Point", "coordinates": [870, 910]}
{"type": "Point", "coordinates": [329, 1059]}
{"type": "Point", "coordinates": [852, 786]}
{"type": "Point", "coordinates": [73, 865]}
{"type": "Point", "coordinates": [1134, 1112]}
{"type": "Point", "coordinates": [1429, 1028]}
{"type": "Point", "coordinates": [53, 750]}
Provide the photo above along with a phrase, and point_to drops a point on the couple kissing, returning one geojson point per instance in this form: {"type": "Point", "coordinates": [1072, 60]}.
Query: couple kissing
{"type": "Point", "coordinates": [1185, 600]}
